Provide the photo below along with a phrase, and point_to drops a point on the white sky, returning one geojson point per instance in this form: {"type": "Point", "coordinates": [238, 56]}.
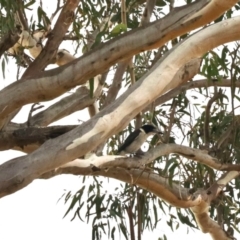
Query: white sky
{"type": "Point", "coordinates": [34, 213]}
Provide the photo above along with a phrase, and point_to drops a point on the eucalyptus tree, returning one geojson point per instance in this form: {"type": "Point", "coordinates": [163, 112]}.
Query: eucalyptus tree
{"type": "Point", "coordinates": [129, 63]}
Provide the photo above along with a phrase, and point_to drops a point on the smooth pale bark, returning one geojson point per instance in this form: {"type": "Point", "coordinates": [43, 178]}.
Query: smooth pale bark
{"type": "Point", "coordinates": [197, 155]}
{"type": "Point", "coordinates": [64, 107]}
{"type": "Point", "coordinates": [76, 101]}
{"type": "Point", "coordinates": [11, 139]}
{"type": "Point", "coordinates": [127, 170]}
{"type": "Point", "coordinates": [55, 82]}
{"type": "Point", "coordinates": [206, 224]}
{"type": "Point", "coordinates": [19, 172]}
{"type": "Point", "coordinates": [150, 4]}
{"type": "Point", "coordinates": [174, 194]}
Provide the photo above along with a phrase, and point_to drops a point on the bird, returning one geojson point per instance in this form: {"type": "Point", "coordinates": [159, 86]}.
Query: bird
{"type": "Point", "coordinates": [135, 140]}
{"type": "Point", "coordinates": [63, 57]}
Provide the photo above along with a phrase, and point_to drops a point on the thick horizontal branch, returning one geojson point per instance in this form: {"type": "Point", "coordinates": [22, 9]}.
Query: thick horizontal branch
{"type": "Point", "coordinates": [81, 99]}
{"type": "Point", "coordinates": [174, 194]}
{"type": "Point", "coordinates": [197, 155]}
{"type": "Point", "coordinates": [55, 82]}
{"type": "Point", "coordinates": [144, 178]}
{"type": "Point", "coordinates": [64, 107]}
{"type": "Point", "coordinates": [17, 173]}
{"type": "Point", "coordinates": [132, 170]}
{"type": "Point", "coordinates": [29, 139]}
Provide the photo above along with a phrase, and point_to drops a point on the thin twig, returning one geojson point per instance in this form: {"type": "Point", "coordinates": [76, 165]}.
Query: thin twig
{"type": "Point", "coordinates": [207, 117]}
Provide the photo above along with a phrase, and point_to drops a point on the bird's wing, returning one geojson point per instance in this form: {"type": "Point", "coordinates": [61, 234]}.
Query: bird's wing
{"type": "Point", "coordinates": [129, 140]}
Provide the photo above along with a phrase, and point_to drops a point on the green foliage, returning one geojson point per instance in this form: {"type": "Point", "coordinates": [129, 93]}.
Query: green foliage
{"type": "Point", "coordinates": [8, 8]}
{"type": "Point", "coordinates": [189, 117]}
{"type": "Point", "coordinates": [182, 118]}
{"type": "Point", "coordinates": [101, 206]}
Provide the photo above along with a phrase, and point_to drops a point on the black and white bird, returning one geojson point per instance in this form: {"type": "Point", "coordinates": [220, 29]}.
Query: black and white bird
{"type": "Point", "coordinates": [135, 140]}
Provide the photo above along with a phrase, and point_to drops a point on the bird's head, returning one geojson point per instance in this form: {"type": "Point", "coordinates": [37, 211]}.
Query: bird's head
{"type": "Point", "coordinates": [150, 129]}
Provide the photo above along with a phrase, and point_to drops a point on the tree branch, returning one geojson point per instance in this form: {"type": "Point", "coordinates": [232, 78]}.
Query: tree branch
{"type": "Point", "coordinates": [129, 170]}
{"type": "Point", "coordinates": [191, 85]}
{"type": "Point", "coordinates": [89, 135]}
{"type": "Point", "coordinates": [85, 167]}
{"type": "Point", "coordinates": [200, 211]}
{"type": "Point", "coordinates": [30, 138]}
{"type": "Point", "coordinates": [150, 4]}
{"type": "Point", "coordinates": [21, 15]}
{"type": "Point", "coordinates": [72, 103]}
{"type": "Point", "coordinates": [54, 39]}
{"type": "Point", "coordinates": [82, 69]}
{"type": "Point", "coordinates": [116, 84]}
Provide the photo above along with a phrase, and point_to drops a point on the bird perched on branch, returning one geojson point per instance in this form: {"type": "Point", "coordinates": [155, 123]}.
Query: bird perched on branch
{"type": "Point", "coordinates": [135, 140]}
{"type": "Point", "coordinates": [63, 57]}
